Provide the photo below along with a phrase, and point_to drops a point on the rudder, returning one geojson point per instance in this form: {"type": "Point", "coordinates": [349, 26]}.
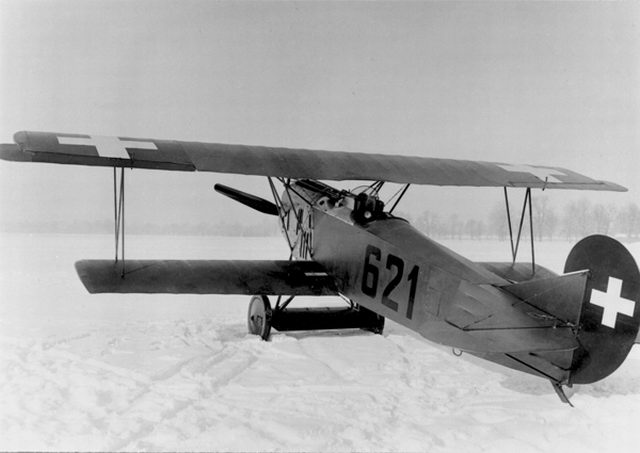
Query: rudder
{"type": "Point", "coordinates": [610, 318]}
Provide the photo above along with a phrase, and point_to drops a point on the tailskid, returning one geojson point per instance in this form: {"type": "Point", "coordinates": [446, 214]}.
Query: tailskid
{"type": "Point", "coordinates": [561, 393]}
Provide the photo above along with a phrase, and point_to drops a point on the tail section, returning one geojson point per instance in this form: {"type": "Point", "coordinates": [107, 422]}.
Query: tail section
{"type": "Point", "coordinates": [609, 318]}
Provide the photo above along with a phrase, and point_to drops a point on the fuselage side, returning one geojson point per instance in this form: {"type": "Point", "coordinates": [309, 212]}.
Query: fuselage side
{"type": "Point", "coordinates": [387, 266]}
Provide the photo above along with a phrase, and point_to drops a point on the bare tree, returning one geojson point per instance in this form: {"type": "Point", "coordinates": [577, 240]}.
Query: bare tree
{"type": "Point", "coordinates": [577, 220]}
{"type": "Point", "coordinates": [629, 220]}
{"type": "Point", "coordinates": [474, 229]}
{"type": "Point", "coordinates": [455, 226]}
{"type": "Point", "coordinates": [602, 216]}
{"type": "Point", "coordinates": [429, 223]}
{"type": "Point", "coordinates": [497, 222]}
{"type": "Point", "coordinates": [545, 219]}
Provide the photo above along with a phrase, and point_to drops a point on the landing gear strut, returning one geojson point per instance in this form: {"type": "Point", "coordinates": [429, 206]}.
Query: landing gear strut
{"type": "Point", "coordinates": [261, 318]}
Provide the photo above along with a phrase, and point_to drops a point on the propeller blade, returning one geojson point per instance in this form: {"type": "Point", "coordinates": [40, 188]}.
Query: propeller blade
{"type": "Point", "coordinates": [257, 203]}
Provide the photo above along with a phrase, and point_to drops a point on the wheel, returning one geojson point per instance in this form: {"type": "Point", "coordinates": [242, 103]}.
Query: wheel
{"type": "Point", "coordinates": [259, 317]}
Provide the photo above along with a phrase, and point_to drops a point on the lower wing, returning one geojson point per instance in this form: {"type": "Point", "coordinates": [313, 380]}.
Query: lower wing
{"type": "Point", "coordinates": [294, 278]}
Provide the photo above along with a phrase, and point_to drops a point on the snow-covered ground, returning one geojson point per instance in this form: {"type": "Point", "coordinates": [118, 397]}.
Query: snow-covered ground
{"type": "Point", "coordinates": [108, 372]}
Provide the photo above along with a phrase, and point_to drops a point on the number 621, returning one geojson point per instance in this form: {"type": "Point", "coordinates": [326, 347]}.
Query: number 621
{"type": "Point", "coordinates": [395, 265]}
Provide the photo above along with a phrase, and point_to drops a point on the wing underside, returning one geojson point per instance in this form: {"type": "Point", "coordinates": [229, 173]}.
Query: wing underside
{"type": "Point", "coordinates": [295, 278]}
{"type": "Point", "coordinates": [78, 149]}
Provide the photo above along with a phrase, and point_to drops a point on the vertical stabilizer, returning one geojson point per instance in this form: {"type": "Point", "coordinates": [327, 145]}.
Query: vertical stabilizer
{"type": "Point", "coordinates": [610, 316]}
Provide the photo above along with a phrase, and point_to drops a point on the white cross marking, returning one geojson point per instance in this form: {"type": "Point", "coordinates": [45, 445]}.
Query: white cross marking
{"type": "Point", "coordinates": [108, 146]}
{"type": "Point", "coordinates": [542, 173]}
{"type": "Point", "coordinates": [612, 302]}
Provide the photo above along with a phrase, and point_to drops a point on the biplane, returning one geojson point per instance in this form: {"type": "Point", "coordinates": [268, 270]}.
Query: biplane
{"type": "Point", "coordinates": [573, 328]}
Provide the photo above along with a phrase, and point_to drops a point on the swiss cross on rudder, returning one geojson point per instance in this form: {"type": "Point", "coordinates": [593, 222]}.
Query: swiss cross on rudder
{"type": "Point", "coordinates": [108, 146]}
{"type": "Point", "coordinates": [612, 302]}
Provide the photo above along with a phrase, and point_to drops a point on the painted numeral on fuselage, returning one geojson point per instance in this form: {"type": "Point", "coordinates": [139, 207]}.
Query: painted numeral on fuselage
{"type": "Point", "coordinates": [394, 264]}
{"type": "Point", "coordinates": [370, 272]}
{"type": "Point", "coordinates": [413, 279]}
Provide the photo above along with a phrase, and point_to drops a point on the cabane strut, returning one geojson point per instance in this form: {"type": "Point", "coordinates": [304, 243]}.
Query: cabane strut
{"type": "Point", "coordinates": [401, 192]}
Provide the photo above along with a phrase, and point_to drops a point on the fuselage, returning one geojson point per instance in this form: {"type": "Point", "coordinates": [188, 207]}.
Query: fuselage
{"type": "Point", "coordinates": [384, 264]}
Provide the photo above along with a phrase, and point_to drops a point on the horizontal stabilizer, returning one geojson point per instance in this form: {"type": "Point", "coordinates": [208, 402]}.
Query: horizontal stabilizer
{"type": "Point", "coordinates": [78, 149]}
{"type": "Point", "coordinates": [518, 272]}
{"type": "Point", "coordinates": [297, 278]}
{"type": "Point", "coordinates": [561, 296]}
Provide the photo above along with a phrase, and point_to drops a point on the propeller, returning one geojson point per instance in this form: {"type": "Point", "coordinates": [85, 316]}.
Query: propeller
{"type": "Point", "coordinates": [257, 203]}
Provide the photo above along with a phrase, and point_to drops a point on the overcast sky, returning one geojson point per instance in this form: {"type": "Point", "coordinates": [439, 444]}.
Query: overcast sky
{"type": "Point", "coordinates": [542, 83]}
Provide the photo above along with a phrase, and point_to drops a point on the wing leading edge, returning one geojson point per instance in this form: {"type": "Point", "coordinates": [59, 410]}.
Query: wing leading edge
{"type": "Point", "coordinates": [78, 149]}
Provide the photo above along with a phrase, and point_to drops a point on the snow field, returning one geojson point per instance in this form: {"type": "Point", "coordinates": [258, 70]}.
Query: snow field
{"type": "Point", "coordinates": [166, 373]}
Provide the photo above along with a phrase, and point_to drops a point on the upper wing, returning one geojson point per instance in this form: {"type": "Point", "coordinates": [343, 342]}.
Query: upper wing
{"type": "Point", "coordinates": [294, 278]}
{"type": "Point", "coordinates": [286, 162]}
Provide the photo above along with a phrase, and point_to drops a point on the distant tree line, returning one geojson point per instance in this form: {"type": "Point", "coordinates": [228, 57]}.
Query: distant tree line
{"type": "Point", "coordinates": [575, 220]}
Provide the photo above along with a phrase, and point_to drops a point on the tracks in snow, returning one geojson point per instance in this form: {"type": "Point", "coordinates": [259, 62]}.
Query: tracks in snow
{"type": "Point", "coordinates": [207, 385]}
{"type": "Point", "coordinates": [121, 380]}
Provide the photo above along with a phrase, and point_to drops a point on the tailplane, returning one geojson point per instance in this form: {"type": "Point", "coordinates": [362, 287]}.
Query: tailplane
{"type": "Point", "coordinates": [598, 297]}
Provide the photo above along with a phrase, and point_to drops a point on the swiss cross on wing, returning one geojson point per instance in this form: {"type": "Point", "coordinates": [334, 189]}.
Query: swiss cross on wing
{"type": "Point", "coordinates": [112, 147]}
{"type": "Point", "coordinates": [544, 174]}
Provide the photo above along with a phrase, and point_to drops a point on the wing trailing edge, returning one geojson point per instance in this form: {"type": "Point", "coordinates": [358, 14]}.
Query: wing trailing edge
{"type": "Point", "coordinates": [295, 278]}
{"type": "Point", "coordinates": [148, 153]}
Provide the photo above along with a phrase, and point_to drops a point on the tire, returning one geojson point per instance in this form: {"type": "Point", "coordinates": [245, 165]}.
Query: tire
{"type": "Point", "coordinates": [259, 317]}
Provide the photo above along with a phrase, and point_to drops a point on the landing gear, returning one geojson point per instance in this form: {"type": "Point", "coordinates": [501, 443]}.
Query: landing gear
{"type": "Point", "coordinates": [377, 323]}
{"type": "Point", "coordinates": [259, 317]}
